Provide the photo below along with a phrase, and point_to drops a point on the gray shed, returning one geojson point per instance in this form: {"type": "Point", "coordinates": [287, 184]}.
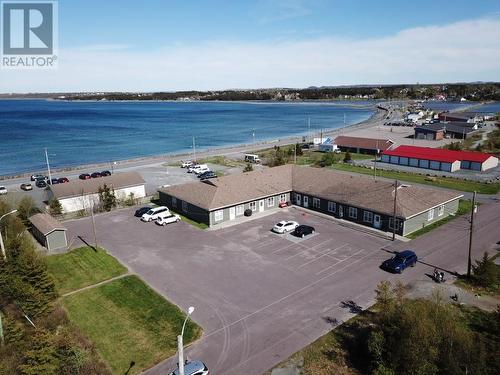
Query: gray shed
{"type": "Point", "coordinates": [49, 231]}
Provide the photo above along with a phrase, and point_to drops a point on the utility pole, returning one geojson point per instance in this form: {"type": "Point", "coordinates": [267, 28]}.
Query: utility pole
{"type": "Point", "coordinates": [48, 166]}
{"type": "Point", "coordinates": [93, 224]}
{"type": "Point", "coordinates": [394, 211]}
{"type": "Point", "coordinates": [308, 130]}
{"type": "Point", "coordinates": [2, 342]}
{"type": "Point", "coordinates": [295, 154]}
{"type": "Point", "coordinates": [194, 151]}
{"type": "Point", "coordinates": [471, 230]}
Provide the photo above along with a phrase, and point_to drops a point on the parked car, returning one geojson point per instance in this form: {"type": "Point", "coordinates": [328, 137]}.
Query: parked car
{"type": "Point", "coordinates": [400, 261]}
{"type": "Point", "coordinates": [141, 211]}
{"type": "Point", "coordinates": [186, 164]}
{"type": "Point", "coordinates": [53, 181]}
{"type": "Point", "coordinates": [105, 173]}
{"type": "Point", "coordinates": [95, 175]}
{"type": "Point", "coordinates": [26, 187]}
{"type": "Point", "coordinates": [153, 213]}
{"type": "Point", "coordinates": [202, 169]}
{"type": "Point", "coordinates": [285, 226]}
{"type": "Point", "coordinates": [191, 168]}
{"type": "Point", "coordinates": [303, 230]}
{"type": "Point", "coordinates": [63, 180]}
{"type": "Point", "coordinates": [169, 218]}
{"type": "Point", "coordinates": [3, 190]}
{"type": "Point", "coordinates": [207, 175]}
{"type": "Point", "coordinates": [84, 176]}
{"type": "Point", "coordinates": [41, 183]}
{"type": "Point", "coordinates": [193, 368]}
{"type": "Point", "coordinates": [38, 177]}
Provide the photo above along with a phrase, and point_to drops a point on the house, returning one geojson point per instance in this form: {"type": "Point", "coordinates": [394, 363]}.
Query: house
{"type": "Point", "coordinates": [328, 146]}
{"type": "Point", "coordinates": [79, 195]}
{"type": "Point", "coordinates": [362, 145]}
{"type": "Point", "coordinates": [460, 117]}
{"type": "Point", "coordinates": [48, 231]}
{"type": "Point", "coordinates": [438, 131]}
{"type": "Point", "coordinates": [439, 159]}
{"type": "Point", "coordinates": [358, 199]}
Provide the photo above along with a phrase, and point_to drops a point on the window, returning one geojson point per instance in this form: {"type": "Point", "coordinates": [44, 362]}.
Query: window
{"type": "Point", "coordinates": [399, 223]}
{"type": "Point", "coordinates": [331, 206]}
{"type": "Point", "coordinates": [240, 209]}
{"type": "Point", "coordinates": [270, 202]}
{"type": "Point", "coordinates": [282, 198]}
{"type": "Point", "coordinates": [174, 201]}
{"type": "Point", "coordinates": [253, 206]}
{"type": "Point", "coordinates": [430, 214]}
{"type": "Point", "coordinates": [441, 210]}
{"type": "Point", "coordinates": [316, 202]}
{"type": "Point", "coordinates": [184, 206]}
{"type": "Point", "coordinates": [219, 215]}
{"type": "Point", "coordinates": [353, 212]}
{"type": "Point", "coordinates": [297, 199]}
{"type": "Point", "coordinates": [368, 217]}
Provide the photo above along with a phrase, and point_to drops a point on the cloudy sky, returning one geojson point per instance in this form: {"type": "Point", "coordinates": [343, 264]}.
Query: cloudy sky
{"type": "Point", "coordinates": [170, 45]}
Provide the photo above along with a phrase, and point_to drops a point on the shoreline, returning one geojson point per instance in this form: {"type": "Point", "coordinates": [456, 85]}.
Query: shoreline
{"type": "Point", "coordinates": [378, 115]}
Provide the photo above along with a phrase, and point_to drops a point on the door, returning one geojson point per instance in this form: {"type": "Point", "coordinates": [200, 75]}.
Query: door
{"type": "Point", "coordinates": [297, 199]}
{"type": "Point", "coordinates": [376, 221]}
{"type": "Point", "coordinates": [306, 201]}
{"type": "Point", "coordinates": [232, 213]}
{"type": "Point", "coordinates": [261, 205]}
{"type": "Point", "coordinates": [341, 211]}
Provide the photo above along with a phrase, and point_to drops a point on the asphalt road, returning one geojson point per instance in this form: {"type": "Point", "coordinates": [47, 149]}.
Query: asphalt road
{"type": "Point", "coordinates": [260, 297]}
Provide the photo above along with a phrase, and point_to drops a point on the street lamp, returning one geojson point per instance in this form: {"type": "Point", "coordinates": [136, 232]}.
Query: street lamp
{"type": "Point", "coordinates": [1, 239]}
{"type": "Point", "coordinates": [180, 345]}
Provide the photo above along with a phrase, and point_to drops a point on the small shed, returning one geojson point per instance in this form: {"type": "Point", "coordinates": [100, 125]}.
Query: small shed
{"type": "Point", "coordinates": [49, 231]}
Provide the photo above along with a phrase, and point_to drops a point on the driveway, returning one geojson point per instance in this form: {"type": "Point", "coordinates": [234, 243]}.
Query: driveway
{"type": "Point", "coordinates": [258, 296]}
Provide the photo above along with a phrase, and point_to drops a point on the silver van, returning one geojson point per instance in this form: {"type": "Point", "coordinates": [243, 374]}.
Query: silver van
{"type": "Point", "coordinates": [154, 213]}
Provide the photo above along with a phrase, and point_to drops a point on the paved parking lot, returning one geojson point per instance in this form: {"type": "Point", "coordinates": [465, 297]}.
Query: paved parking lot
{"type": "Point", "coordinates": [259, 296]}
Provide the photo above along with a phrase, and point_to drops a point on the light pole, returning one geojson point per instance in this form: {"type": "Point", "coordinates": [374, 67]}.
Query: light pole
{"type": "Point", "coordinates": [1, 239]}
{"type": "Point", "coordinates": [180, 345]}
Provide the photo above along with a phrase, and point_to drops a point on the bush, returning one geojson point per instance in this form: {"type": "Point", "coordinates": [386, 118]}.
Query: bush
{"type": "Point", "coordinates": [107, 198]}
{"type": "Point", "coordinates": [248, 167]}
{"type": "Point", "coordinates": [486, 273]}
{"type": "Point", "coordinates": [55, 207]}
{"type": "Point", "coordinates": [347, 157]}
{"type": "Point", "coordinates": [248, 212]}
{"type": "Point", "coordinates": [27, 207]}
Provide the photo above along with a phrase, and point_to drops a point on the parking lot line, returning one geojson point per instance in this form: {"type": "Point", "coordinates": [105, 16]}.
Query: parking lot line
{"type": "Point", "coordinates": [343, 260]}
{"type": "Point", "coordinates": [283, 248]}
{"type": "Point", "coordinates": [311, 248]}
{"type": "Point", "coordinates": [321, 256]}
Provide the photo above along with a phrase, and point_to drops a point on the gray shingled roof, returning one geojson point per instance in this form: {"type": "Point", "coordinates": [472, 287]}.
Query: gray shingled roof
{"type": "Point", "coordinates": [45, 223]}
{"type": "Point", "coordinates": [366, 143]}
{"type": "Point", "coordinates": [77, 188]}
{"type": "Point", "coordinates": [358, 191]}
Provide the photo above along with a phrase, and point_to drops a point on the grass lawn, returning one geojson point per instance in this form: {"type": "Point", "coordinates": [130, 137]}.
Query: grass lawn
{"type": "Point", "coordinates": [82, 267]}
{"type": "Point", "coordinates": [128, 321]}
{"type": "Point", "coordinates": [445, 182]}
{"type": "Point", "coordinates": [464, 206]}
{"type": "Point", "coordinates": [222, 160]}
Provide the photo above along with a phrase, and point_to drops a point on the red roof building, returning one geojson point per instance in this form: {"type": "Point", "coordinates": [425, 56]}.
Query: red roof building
{"type": "Point", "coordinates": [439, 159]}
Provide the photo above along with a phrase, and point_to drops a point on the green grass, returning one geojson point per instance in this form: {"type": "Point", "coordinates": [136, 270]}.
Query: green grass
{"type": "Point", "coordinates": [82, 267]}
{"type": "Point", "coordinates": [222, 160]}
{"type": "Point", "coordinates": [128, 321]}
{"type": "Point", "coordinates": [464, 206]}
{"type": "Point", "coordinates": [444, 182]}
{"type": "Point", "coordinates": [190, 221]}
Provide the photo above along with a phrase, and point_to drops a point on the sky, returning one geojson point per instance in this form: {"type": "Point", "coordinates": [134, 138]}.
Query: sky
{"type": "Point", "coordinates": [168, 45]}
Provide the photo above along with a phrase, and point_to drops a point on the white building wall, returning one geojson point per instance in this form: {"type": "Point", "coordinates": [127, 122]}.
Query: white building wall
{"type": "Point", "coordinates": [491, 162]}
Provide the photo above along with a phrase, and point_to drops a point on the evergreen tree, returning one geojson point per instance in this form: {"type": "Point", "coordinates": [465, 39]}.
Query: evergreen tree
{"type": "Point", "coordinates": [55, 207]}
{"type": "Point", "coordinates": [107, 198]}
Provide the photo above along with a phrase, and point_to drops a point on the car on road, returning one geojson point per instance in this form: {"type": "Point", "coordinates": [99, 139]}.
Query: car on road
{"type": "Point", "coordinates": [96, 175]}
{"type": "Point", "coordinates": [193, 368]}
{"type": "Point", "coordinates": [84, 176]}
{"type": "Point", "coordinates": [285, 226]}
{"type": "Point", "coordinates": [38, 177]}
{"type": "Point", "coordinates": [26, 187]}
{"type": "Point", "coordinates": [3, 190]}
{"type": "Point", "coordinates": [207, 175]}
{"type": "Point", "coordinates": [168, 219]}
{"type": "Point", "coordinates": [400, 261]}
{"type": "Point", "coordinates": [141, 211]}
{"type": "Point", "coordinates": [154, 213]}
{"type": "Point", "coordinates": [63, 180]}
{"type": "Point", "coordinates": [186, 164]}
{"type": "Point", "coordinates": [54, 181]}
{"type": "Point", "coordinates": [105, 173]}
{"type": "Point", "coordinates": [41, 183]}
{"type": "Point", "coordinates": [304, 230]}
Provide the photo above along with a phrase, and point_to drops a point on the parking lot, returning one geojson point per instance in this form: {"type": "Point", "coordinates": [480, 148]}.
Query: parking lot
{"type": "Point", "coordinates": [259, 296]}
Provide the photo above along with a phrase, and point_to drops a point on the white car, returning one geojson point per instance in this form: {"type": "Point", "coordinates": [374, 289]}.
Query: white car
{"type": "Point", "coordinates": [169, 219]}
{"type": "Point", "coordinates": [192, 168]}
{"type": "Point", "coordinates": [186, 164]}
{"type": "Point", "coordinates": [154, 213]}
{"type": "Point", "coordinates": [202, 170]}
{"type": "Point", "coordinates": [3, 190]}
{"type": "Point", "coordinates": [193, 368]}
{"type": "Point", "coordinates": [285, 226]}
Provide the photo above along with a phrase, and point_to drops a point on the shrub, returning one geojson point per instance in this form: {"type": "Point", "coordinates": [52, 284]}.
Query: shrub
{"type": "Point", "coordinates": [486, 272]}
{"type": "Point", "coordinates": [347, 157]}
{"type": "Point", "coordinates": [248, 167]}
{"type": "Point", "coordinates": [55, 207]}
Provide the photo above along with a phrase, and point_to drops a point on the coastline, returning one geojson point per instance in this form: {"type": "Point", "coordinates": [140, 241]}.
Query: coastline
{"type": "Point", "coordinates": [377, 116]}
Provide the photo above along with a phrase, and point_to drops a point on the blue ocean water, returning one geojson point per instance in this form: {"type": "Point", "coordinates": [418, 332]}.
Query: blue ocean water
{"type": "Point", "coordinates": [78, 133]}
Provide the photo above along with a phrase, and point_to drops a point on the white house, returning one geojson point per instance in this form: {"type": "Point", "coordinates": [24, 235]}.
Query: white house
{"type": "Point", "coordinates": [328, 146]}
{"type": "Point", "coordinates": [83, 194]}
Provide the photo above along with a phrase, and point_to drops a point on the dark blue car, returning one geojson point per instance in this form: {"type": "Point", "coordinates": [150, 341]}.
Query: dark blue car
{"type": "Point", "coordinates": [400, 261]}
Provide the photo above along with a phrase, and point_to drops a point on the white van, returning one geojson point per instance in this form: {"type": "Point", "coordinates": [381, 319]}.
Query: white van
{"type": "Point", "coordinates": [250, 158]}
{"type": "Point", "coordinates": [200, 168]}
{"type": "Point", "coordinates": [154, 213]}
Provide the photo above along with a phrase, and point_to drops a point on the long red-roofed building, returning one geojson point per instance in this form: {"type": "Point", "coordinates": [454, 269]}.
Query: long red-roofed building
{"type": "Point", "coordinates": [439, 159]}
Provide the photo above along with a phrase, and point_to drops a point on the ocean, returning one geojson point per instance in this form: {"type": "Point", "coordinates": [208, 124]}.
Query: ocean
{"type": "Point", "coordinates": [78, 133]}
